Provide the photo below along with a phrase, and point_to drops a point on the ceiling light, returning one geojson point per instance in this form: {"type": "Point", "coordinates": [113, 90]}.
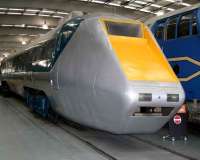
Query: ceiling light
{"type": "Point", "coordinates": [3, 8]}
{"type": "Point", "coordinates": [16, 9]}
{"type": "Point", "coordinates": [134, 5]}
{"type": "Point", "coordinates": [114, 4]}
{"type": "Point", "coordinates": [156, 5]}
{"type": "Point", "coordinates": [48, 11]}
{"type": "Point", "coordinates": [97, 1]}
{"type": "Point", "coordinates": [7, 25]}
{"type": "Point", "coordinates": [29, 14]}
{"type": "Point", "coordinates": [19, 25]}
{"type": "Point", "coordinates": [145, 10]}
{"type": "Point", "coordinates": [14, 13]}
{"type": "Point", "coordinates": [129, 7]}
{"type": "Point", "coordinates": [160, 13]}
{"type": "Point", "coordinates": [170, 9]}
{"type": "Point", "coordinates": [6, 54]}
{"type": "Point", "coordinates": [32, 35]}
{"type": "Point", "coordinates": [170, 1]}
{"type": "Point", "coordinates": [31, 26]}
{"type": "Point", "coordinates": [22, 34]}
{"type": "Point", "coordinates": [32, 10]}
{"type": "Point", "coordinates": [44, 15]}
{"type": "Point", "coordinates": [185, 4]}
{"type": "Point", "coordinates": [24, 42]}
{"type": "Point", "coordinates": [45, 26]}
{"type": "Point", "coordinates": [57, 16]}
{"type": "Point", "coordinates": [62, 13]}
{"type": "Point", "coordinates": [140, 2]}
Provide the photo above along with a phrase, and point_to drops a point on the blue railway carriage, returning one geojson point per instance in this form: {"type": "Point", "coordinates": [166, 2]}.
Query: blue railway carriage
{"type": "Point", "coordinates": [178, 35]}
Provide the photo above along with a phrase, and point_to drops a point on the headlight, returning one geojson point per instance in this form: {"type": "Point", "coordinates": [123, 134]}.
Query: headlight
{"type": "Point", "coordinates": [145, 97]}
{"type": "Point", "coordinates": [172, 97]}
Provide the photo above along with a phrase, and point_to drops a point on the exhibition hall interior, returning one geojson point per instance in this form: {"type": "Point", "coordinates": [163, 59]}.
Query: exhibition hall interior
{"type": "Point", "coordinates": [99, 79]}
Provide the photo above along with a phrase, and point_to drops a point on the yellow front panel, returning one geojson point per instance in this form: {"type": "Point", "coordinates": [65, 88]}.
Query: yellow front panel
{"type": "Point", "coordinates": [141, 58]}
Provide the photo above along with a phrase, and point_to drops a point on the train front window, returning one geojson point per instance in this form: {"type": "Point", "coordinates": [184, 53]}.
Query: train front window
{"type": "Point", "coordinates": [123, 29]}
{"type": "Point", "coordinates": [66, 34]}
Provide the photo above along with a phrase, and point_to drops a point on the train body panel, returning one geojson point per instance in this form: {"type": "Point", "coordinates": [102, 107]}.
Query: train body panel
{"type": "Point", "coordinates": [88, 85]}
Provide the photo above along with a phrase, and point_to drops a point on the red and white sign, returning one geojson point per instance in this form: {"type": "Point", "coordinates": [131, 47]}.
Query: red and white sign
{"type": "Point", "coordinates": [177, 119]}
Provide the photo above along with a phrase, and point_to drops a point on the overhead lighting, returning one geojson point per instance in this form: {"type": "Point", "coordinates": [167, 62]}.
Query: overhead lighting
{"type": "Point", "coordinates": [65, 13]}
{"type": "Point", "coordinates": [171, 1]}
{"type": "Point", "coordinates": [114, 4]}
{"type": "Point", "coordinates": [2, 12]}
{"type": "Point", "coordinates": [97, 1]}
{"type": "Point", "coordinates": [16, 9]}
{"type": "Point", "coordinates": [6, 54]}
{"type": "Point", "coordinates": [19, 25]}
{"type": "Point", "coordinates": [134, 5]}
{"type": "Point", "coordinates": [145, 10]}
{"type": "Point", "coordinates": [140, 2]}
{"type": "Point", "coordinates": [31, 26]}
{"type": "Point", "coordinates": [44, 15]}
{"type": "Point", "coordinates": [129, 7]}
{"type": "Point", "coordinates": [14, 13]}
{"type": "Point", "coordinates": [7, 25]}
{"type": "Point", "coordinates": [32, 10]}
{"type": "Point", "coordinates": [29, 14]}
{"type": "Point", "coordinates": [32, 35]}
{"type": "Point", "coordinates": [45, 26]}
{"type": "Point", "coordinates": [3, 8]}
{"type": "Point", "coordinates": [156, 5]}
{"type": "Point", "coordinates": [24, 42]}
{"type": "Point", "coordinates": [22, 34]}
{"type": "Point", "coordinates": [170, 9]}
{"type": "Point", "coordinates": [57, 16]}
{"type": "Point", "coordinates": [185, 4]}
{"type": "Point", "coordinates": [160, 13]}
{"type": "Point", "coordinates": [48, 11]}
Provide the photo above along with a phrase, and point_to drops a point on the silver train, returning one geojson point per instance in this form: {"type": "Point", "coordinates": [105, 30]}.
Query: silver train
{"type": "Point", "coordinates": [105, 72]}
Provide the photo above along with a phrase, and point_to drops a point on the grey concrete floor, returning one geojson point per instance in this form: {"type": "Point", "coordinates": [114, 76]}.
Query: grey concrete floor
{"type": "Point", "coordinates": [190, 148]}
{"type": "Point", "coordinates": [24, 139]}
{"type": "Point", "coordinates": [24, 136]}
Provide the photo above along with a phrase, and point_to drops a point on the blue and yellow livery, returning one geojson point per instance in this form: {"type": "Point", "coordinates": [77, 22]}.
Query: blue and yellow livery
{"type": "Point", "coordinates": [178, 34]}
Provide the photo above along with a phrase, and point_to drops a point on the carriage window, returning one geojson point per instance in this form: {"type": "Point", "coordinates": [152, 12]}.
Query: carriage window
{"type": "Point", "coordinates": [184, 25]}
{"type": "Point", "coordinates": [194, 25]}
{"type": "Point", "coordinates": [43, 56]}
{"type": "Point", "coordinates": [171, 29]}
{"type": "Point", "coordinates": [160, 31]}
{"type": "Point", "coordinates": [123, 29]}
